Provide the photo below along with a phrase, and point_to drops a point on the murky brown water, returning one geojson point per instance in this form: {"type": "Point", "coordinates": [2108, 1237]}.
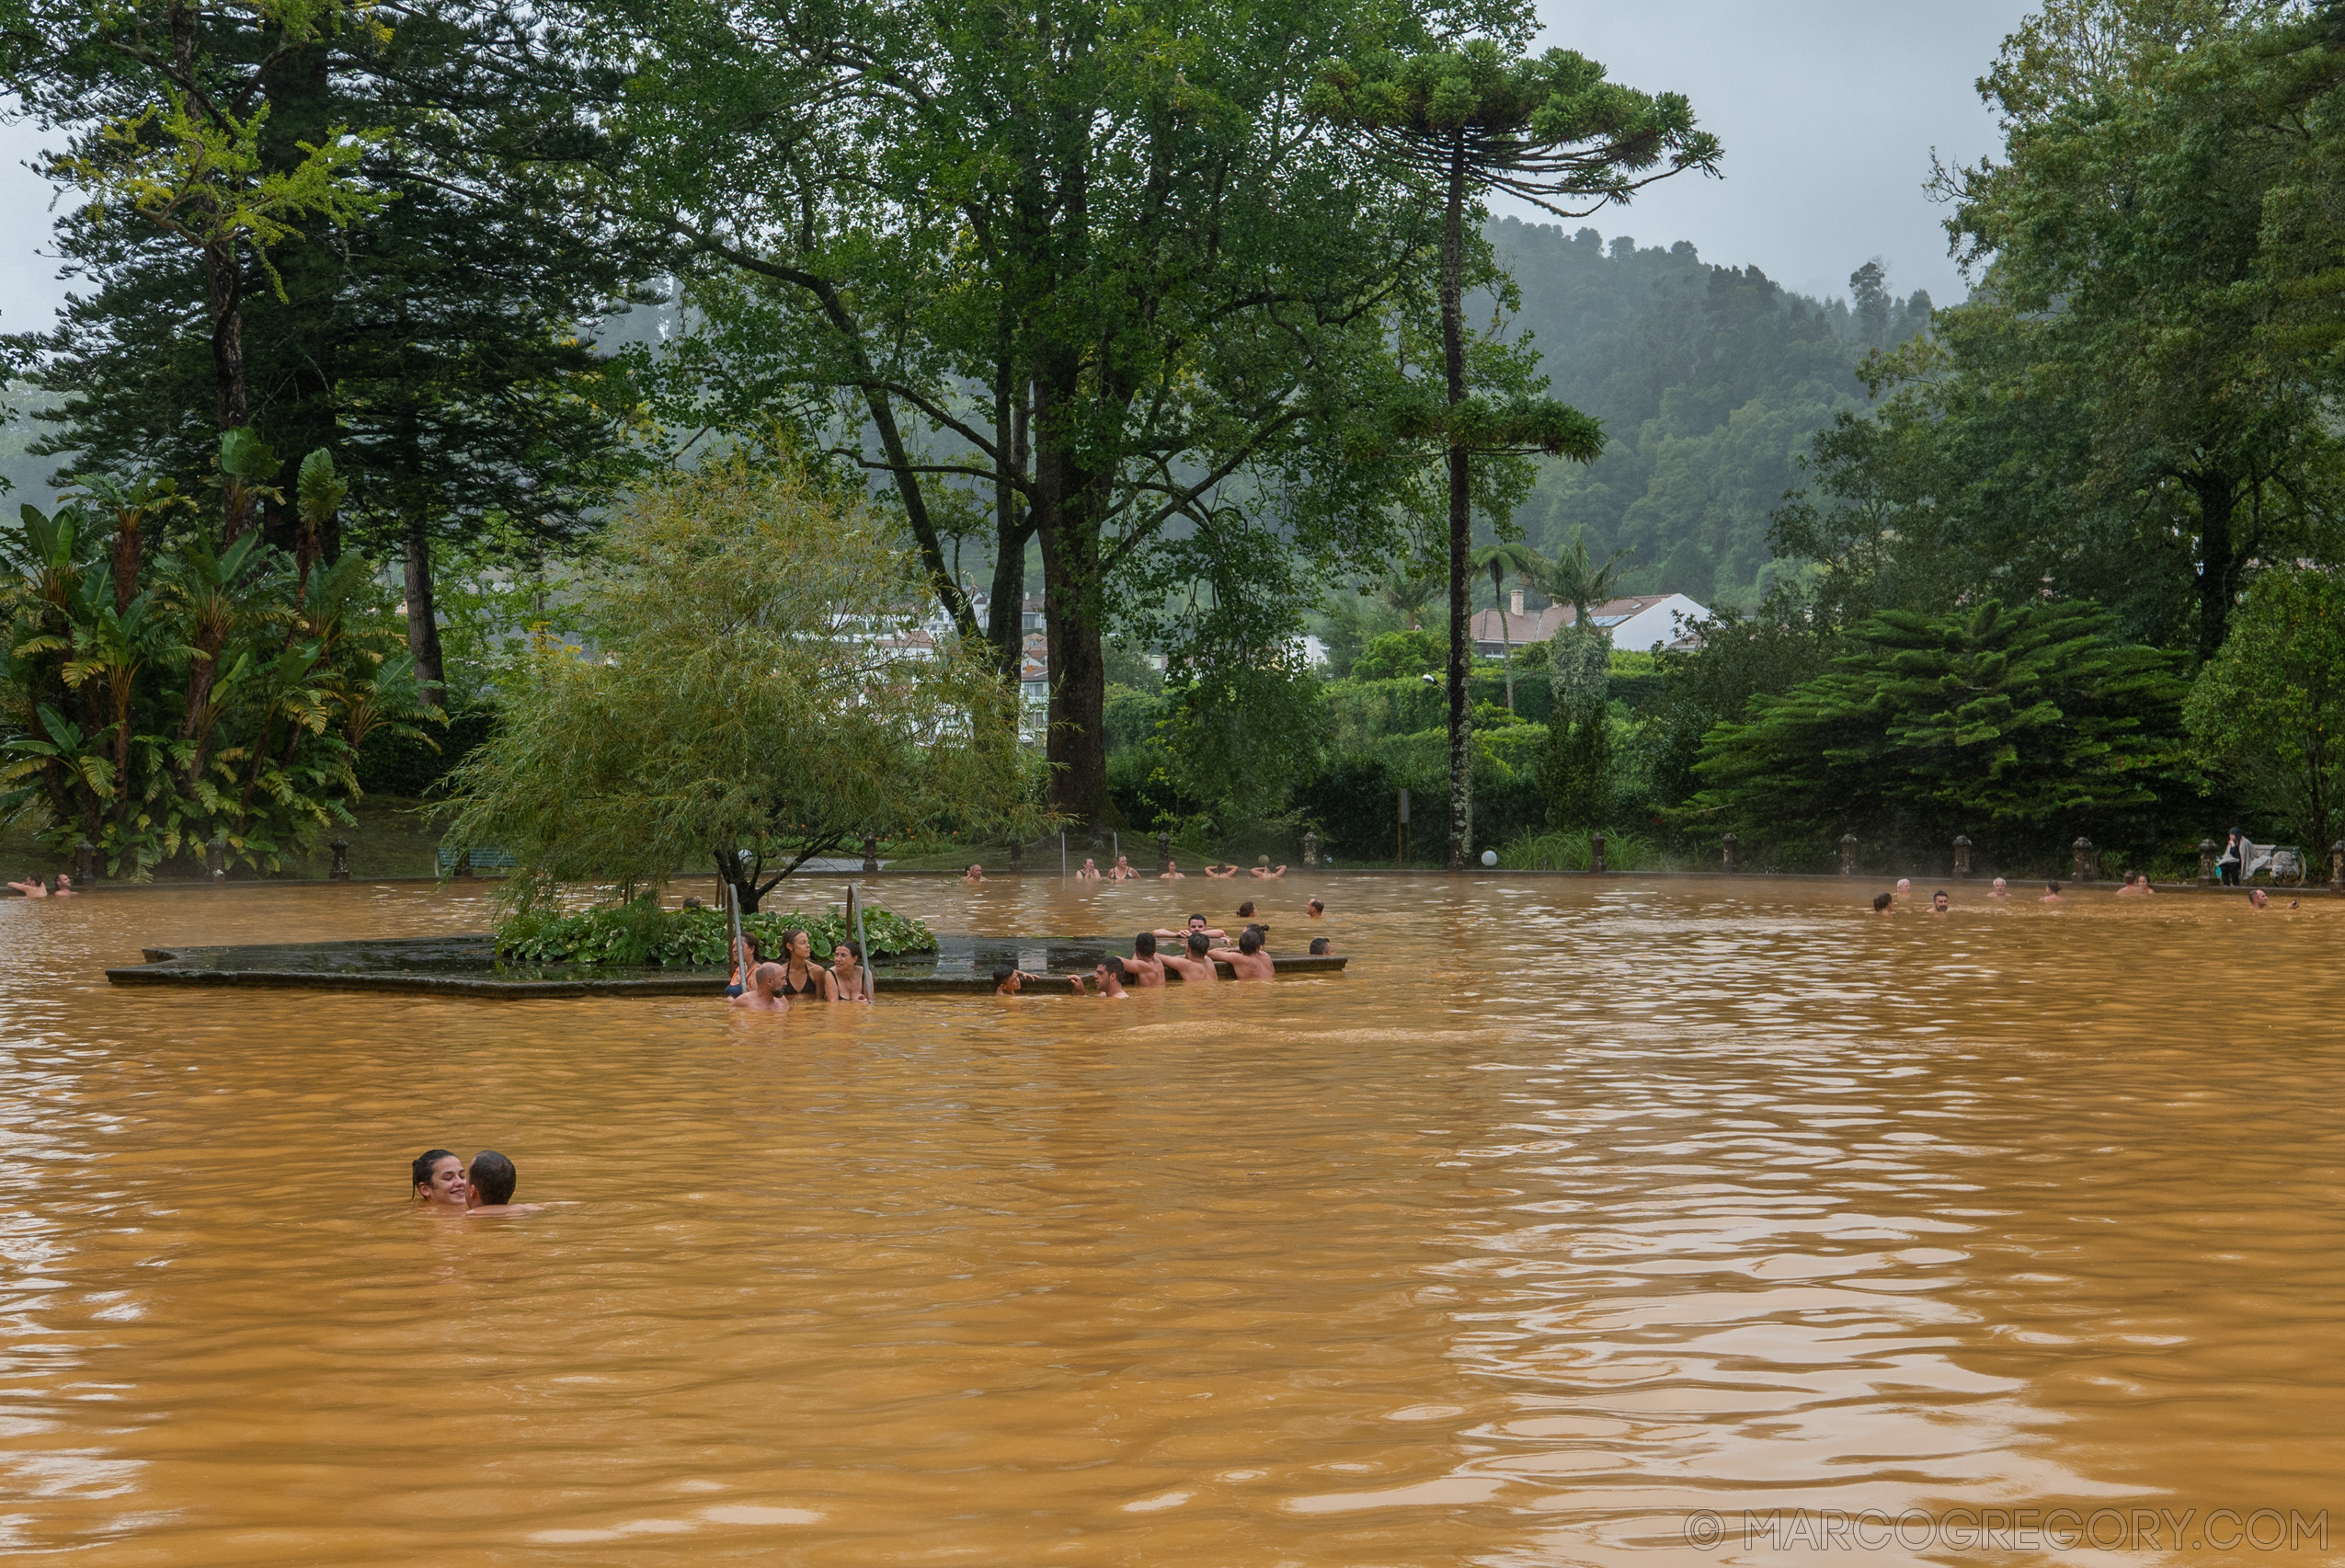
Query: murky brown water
{"type": "Point", "coordinates": [1570, 1213]}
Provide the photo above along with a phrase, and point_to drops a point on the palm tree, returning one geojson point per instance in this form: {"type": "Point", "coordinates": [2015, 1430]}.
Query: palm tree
{"type": "Point", "coordinates": [1573, 580]}
{"type": "Point", "coordinates": [1406, 593]}
{"type": "Point", "coordinates": [1508, 556]}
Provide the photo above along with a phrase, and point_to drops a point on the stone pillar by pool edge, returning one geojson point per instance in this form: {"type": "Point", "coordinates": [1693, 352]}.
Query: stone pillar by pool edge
{"type": "Point", "coordinates": [1726, 845]}
{"type": "Point", "coordinates": [1596, 854]}
{"type": "Point", "coordinates": [341, 871]}
{"type": "Point", "coordinates": [1848, 855]}
{"type": "Point", "coordinates": [2207, 863]}
{"type": "Point", "coordinates": [1961, 856]}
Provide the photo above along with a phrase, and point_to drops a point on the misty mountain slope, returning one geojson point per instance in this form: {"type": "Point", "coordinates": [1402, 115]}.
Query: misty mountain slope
{"type": "Point", "coordinates": [1711, 382]}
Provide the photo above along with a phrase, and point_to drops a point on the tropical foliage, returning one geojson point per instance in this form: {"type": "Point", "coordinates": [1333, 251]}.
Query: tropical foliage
{"type": "Point", "coordinates": [166, 692]}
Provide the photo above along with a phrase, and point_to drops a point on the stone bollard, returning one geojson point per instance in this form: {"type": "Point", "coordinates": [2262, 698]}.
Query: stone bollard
{"type": "Point", "coordinates": [1962, 854]}
{"type": "Point", "coordinates": [341, 871]}
{"type": "Point", "coordinates": [1164, 852]}
{"type": "Point", "coordinates": [2086, 871]}
{"type": "Point", "coordinates": [2336, 866]}
{"type": "Point", "coordinates": [464, 866]}
{"type": "Point", "coordinates": [1848, 855]}
{"type": "Point", "coordinates": [86, 862]}
{"type": "Point", "coordinates": [1727, 844]}
{"type": "Point", "coordinates": [1596, 854]}
{"type": "Point", "coordinates": [1310, 847]}
{"type": "Point", "coordinates": [215, 858]}
{"type": "Point", "coordinates": [2207, 863]}
{"type": "Point", "coordinates": [870, 853]}
{"type": "Point", "coordinates": [1017, 855]}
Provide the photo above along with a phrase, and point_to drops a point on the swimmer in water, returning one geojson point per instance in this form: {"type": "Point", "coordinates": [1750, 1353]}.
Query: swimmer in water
{"type": "Point", "coordinates": [1221, 873]}
{"type": "Point", "coordinates": [441, 1184]}
{"type": "Point", "coordinates": [1172, 872]}
{"type": "Point", "coordinates": [802, 978]}
{"type": "Point", "coordinates": [489, 1185]}
{"type": "Point", "coordinates": [2000, 890]}
{"type": "Point", "coordinates": [1122, 870]}
{"type": "Point", "coordinates": [1320, 948]}
{"type": "Point", "coordinates": [2258, 898]}
{"type": "Point", "coordinates": [1196, 963]}
{"type": "Point", "coordinates": [1109, 974]}
{"type": "Point", "coordinates": [2052, 894]}
{"type": "Point", "coordinates": [746, 958]}
{"type": "Point", "coordinates": [1939, 903]}
{"type": "Point", "coordinates": [1143, 968]}
{"type": "Point", "coordinates": [847, 973]}
{"type": "Point", "coordinates": [764, 993]}
{"type": "Point", "coordinates": [1246, 911]}
{"type": "Point", "coordinates": [1315, 909]}
{"type": "Point", "coordinates": [32, 887]}
{"type": "Point", "coordinates": [1883, 903]}
{"type": "Point", "coordinates": [1008, 977]}
{"type": "Point", "coordinates": [1090, 873]}
{"type": "Point", "coordinates": [2132, 890]}
{"type": "Point", "coordinates": [975, 875]}
{"type": "Point", "coordinates": [1904, 889]}
{"type": "Point", "coordinates": [1196, 926]}
{"type": "Point", "coordinates": [1267, 872]}
{"type": "Point", "coordinates": [1250, 962]}
{"type": "Point", "coordinates": [64, 887]}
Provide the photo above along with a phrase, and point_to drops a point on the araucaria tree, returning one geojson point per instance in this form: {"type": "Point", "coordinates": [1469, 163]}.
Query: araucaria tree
{"type": "Point", "coordinates": [1552, 131]}
{"type": "Point", "coordinates": [754, 698]}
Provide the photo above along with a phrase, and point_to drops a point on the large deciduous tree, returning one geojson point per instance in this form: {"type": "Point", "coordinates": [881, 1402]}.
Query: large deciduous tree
{"type": "Point", "coordinates": [2131, 408]}
{"type": "Point", "coordinates": [2269, 711]}
{"type": "Point", "coordinates": [1552, 131]}
{"type": "Point", "coordinates": [1089, 269]}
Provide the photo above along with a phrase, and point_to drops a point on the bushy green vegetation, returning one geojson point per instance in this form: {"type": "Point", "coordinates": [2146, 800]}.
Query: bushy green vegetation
{"type": "Point", "coordinates": [641, 933]}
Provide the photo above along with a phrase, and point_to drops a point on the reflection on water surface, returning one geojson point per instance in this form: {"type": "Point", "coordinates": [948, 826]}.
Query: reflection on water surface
{"type": "Point", "coordinates": [1570, 1211]}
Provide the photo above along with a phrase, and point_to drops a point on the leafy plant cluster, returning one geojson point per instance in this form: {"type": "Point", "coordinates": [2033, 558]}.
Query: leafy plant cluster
{"type": "Point", "coordinates": [164, 692]}
{"type": "Point", "coordinates": [640, 932]}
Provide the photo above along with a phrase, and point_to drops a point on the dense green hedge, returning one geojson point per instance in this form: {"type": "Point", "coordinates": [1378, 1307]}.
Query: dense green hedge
{"type": "Point", "coordinates": [644, 933]}
{"type": "Point", "coordinates": [404, 765]}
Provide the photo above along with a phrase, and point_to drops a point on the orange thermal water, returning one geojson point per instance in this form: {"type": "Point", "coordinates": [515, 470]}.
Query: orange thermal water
{"type": "Point", "coordinates": [1570, 1213]}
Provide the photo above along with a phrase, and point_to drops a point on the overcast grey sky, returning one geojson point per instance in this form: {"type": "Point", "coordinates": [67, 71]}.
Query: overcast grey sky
{"type": "Point", "coordinates": [1828, 109]}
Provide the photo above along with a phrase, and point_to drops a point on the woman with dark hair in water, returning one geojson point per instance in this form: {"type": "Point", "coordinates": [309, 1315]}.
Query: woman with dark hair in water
{"type": "Point", "coordinates": [847, 973]}
{"type": "Point", "coordinates": [440, 1184]}
{"type": "Point", "coordinates": [803, 979]}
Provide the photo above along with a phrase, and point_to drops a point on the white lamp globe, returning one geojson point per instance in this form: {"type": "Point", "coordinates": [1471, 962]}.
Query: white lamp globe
{"type": "Point", "coordinates": [1489, 857]}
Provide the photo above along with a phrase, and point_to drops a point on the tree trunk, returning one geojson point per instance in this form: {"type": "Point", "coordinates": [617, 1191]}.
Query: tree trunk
{"type": "Point", "coordinates": [1072, 604]}
{"type": "Point", "coordinates": [1005, 614]}
{"type": "Point", "coordinates": [1453, 350]}
{"type": "Point", "coordinates": [130, 559]}
{"type": "Point", "coordinates": [223, 282]}
{"type": "Point", "coordinates": [423, 621]}
{"type": "Point", "coordinates": [2219, 559]}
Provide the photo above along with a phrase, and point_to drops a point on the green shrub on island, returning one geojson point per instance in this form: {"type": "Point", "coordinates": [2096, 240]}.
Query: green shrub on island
{"type": "Point", "coordinates": [642, 934]}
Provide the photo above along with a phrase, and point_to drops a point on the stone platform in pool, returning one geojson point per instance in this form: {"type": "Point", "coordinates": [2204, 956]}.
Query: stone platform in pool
{"type": "Point", "coordinates": [468, 965]}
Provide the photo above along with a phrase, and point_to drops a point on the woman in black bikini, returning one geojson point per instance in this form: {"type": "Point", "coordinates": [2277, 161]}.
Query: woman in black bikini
{"type": "Point", "coordinates": [802, 978]}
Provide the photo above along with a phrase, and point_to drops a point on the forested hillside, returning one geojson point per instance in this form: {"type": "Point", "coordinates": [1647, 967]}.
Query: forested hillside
{"type": "Point", "coordinates": [1711, 382]}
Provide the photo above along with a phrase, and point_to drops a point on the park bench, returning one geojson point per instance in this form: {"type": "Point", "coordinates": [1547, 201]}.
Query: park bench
{"type": "Point", "coordinates": [482, 859]}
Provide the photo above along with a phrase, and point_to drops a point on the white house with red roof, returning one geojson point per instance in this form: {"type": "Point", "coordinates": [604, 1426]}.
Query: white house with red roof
{"type": "Point", "coordinates": [1639, 623]}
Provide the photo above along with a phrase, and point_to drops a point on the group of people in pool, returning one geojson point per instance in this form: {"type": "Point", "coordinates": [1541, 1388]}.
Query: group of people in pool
{"type": "Point", "coordinates": [2137, 885]}
{"type": "Point", "coordinates": [1199, 949]}
{"type": "Point", "coordinates": [1124, 871]}
{"type": "Point", "coordinates": [33, 887]}
{"type": "Point", "coordinates": [448, 1187]}
{"type": "Point", "coordinates": [764, 986]}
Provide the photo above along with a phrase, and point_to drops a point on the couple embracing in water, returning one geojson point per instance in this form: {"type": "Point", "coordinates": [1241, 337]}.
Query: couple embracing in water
{"type": "Point", "coordinates": [445, 1185]}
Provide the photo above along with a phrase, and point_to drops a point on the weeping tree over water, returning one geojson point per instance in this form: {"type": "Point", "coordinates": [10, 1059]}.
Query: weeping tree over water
{"type": "Point", "coordinates": [758, 693]}
{"type": "Point", "coordinates": [1553, 132]}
